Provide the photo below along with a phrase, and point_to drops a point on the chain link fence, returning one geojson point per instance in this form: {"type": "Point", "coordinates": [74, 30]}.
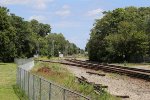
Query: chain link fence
{"type": "Point", "coordinates": [38, 88]}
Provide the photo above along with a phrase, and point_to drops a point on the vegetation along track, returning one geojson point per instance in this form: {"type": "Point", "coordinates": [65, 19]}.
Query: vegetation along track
{"type": "Point", "coordinates": [133, 72]}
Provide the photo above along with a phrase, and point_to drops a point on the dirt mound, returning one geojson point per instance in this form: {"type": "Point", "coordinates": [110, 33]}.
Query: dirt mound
{"type": "Point", "coordinates": [44, 70]}
{"type": "Point", "coordinates": [49, 72]}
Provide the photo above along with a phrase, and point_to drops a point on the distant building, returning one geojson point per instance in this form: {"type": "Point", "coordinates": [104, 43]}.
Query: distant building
{"type": "Point", "coordinates": [61, 55]}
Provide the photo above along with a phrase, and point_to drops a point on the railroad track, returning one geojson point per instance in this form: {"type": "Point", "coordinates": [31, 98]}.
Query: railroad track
{"type": "Point", "coordinates": [133, 72]}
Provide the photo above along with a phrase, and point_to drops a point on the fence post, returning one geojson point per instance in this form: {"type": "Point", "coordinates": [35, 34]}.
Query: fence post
{"type": "Point", "coordinates": [40, 88]}
{"type": "Point", "coordinates": [24, 80]}
{"type": "Point", "coordinates": [28, 84]}
{"type": "Point", "coordinates": [18, 74]}
{"type": "Point", "coordinates": [33, 87]}
{"type": "Point", "coordinates": [49, 91]}
{"type": "Point", "coordinates": [17, 79]}
{"type": "Point", "coordinates": [64, 94]}
{"type": "Point", "coordinates": [20, 78]}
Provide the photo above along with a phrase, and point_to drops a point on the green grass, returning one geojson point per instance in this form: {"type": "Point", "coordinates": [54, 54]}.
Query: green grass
{"type": "Point", "coordinates": [46, 58]}
{"type": "Point", "coordinates": [77, 56]}
{"type": "Point", "coordinates": [8, 88]}
{"type": "Point", "coordinates": [62, 76]}
{"type": "Point", "coordinates": [81, 57]}
{"type": "Point", "coordinates": [133, 64]}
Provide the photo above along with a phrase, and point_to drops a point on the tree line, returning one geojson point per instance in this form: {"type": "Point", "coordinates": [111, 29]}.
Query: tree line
{"type": "Point", "coordinates": [20, 38]}
{"type": "Point", "coordinates": [121, 35]}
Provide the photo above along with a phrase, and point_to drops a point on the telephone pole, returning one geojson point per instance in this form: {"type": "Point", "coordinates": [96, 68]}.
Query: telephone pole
{"type": "Point", "coordinates": [53, 48]}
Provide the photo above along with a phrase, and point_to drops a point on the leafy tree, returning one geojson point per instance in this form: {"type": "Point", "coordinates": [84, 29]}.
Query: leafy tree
{"type": "Point", "coordinates": [7, 36]}
{"type": "Point", "coordinates": [122, 34]}
{"type": "Point", "coordinates": [35, 26]}
{"type": "Point", "coordinates": [24, 41]}
{"type": "Point", "coordinates": [20, 38]}
{"type": "Point", "coordinates": [44, 29]}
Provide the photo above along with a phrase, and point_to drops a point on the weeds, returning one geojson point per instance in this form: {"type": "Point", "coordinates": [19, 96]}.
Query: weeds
{"type": "Point", "coordinates": [60, 75]}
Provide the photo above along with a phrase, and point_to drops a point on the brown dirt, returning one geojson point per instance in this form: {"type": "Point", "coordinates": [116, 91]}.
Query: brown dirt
{"type": "Point", "coordinates": [44, 70]}
{"type": "Point", "coordinates": [49, 72]}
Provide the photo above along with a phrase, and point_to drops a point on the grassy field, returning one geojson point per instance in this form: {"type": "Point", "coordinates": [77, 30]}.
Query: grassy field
{"type": "Point", "coordinates": [8, 88]}
{"type": "Point", "coordinates": [137, 65]}
{"type": "Point", "coordinates": [46, 58]}
{"type": "Point", "coordinates": [79, 57]}
{"type": "Point", "coordinates": [58, 74]}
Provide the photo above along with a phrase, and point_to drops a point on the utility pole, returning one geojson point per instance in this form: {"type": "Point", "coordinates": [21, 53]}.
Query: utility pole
{"type": "Point", "coordinates": [37, 48]}
{"type": "Point", "coordinates": [53, 48]}
{"type": "Point", "coordinates": [66, 49]}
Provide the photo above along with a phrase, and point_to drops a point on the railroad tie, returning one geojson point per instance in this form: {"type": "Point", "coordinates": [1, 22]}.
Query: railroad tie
{"type": "Point", "coordinates": [96, 73]}
{"type": "Point", "coordinates": [120, 96]}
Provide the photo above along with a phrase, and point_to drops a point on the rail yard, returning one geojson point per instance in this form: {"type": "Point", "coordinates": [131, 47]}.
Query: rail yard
{"type": "Point", "coordinates": [124, 82]}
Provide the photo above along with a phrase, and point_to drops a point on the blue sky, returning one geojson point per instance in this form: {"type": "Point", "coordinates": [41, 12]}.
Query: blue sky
{"type": "Point", "coordinates": [73, 18]}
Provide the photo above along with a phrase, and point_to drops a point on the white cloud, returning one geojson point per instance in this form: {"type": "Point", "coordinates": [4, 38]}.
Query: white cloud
{"type": "Point", "coordinates": [95, 12]}
{"type": "Point", "coordinates": [65, 11]}
{"type": "Point", "coordinates": [41, 4]}
{"type": "Point", "coordinates": [38, 17]}
{"type": "Point", "coordinates": [37, 4]}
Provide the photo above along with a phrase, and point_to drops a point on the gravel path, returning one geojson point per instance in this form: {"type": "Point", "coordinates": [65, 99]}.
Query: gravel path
{"type": "Point", "coordinates": [136, 89]}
